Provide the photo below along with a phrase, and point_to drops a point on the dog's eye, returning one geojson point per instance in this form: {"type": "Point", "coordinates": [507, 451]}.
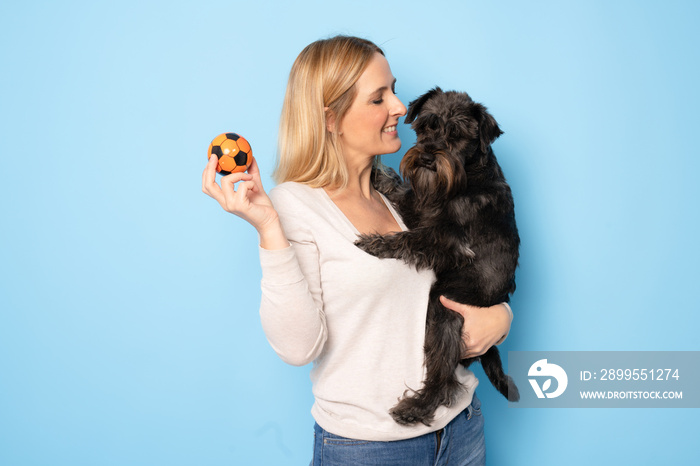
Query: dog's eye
{"type": "Point", "coordinates": [432, 122]}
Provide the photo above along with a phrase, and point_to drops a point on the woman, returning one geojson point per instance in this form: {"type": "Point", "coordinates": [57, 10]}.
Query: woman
{"type": "Point", "coordinates": [360, 319]}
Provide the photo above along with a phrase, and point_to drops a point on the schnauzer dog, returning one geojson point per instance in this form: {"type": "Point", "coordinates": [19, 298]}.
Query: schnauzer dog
{"type": "Point", "coordinates": [460, 214]}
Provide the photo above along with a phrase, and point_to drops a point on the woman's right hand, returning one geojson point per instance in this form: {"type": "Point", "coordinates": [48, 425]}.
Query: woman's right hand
{"type": "Point", "coordinates": [249, 201]}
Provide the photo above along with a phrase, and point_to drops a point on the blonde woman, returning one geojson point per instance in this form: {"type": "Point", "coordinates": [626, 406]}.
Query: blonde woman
{"type": "Point", "coordinates": [359, 319]}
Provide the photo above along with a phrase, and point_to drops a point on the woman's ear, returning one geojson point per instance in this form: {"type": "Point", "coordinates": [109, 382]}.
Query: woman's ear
{"type": "Point", "coordinates": [330, 119]}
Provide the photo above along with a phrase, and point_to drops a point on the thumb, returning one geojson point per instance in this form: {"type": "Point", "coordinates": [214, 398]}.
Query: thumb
{"type": "Point", "coordinates": [448, 303]}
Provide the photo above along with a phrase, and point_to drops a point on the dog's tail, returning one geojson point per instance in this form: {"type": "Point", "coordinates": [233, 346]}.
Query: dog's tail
{"type": "Point", "coordinates": [493, 368]}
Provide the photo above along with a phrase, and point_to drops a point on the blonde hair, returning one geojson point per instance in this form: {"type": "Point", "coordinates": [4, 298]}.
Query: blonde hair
{"type": "Point", "coordinates": [323, 75]}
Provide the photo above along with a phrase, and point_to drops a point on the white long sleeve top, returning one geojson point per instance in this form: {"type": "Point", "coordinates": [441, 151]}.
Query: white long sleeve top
{"type": "Point", "coordinates": [359, 319]}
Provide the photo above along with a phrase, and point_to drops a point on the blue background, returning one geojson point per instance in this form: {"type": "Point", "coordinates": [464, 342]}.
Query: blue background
{"type": "Point", "coordinates": [129, 328]}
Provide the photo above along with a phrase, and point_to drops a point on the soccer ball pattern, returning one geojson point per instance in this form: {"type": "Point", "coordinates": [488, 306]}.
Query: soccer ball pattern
{"type": "Point", "coordinates": [233, 151]}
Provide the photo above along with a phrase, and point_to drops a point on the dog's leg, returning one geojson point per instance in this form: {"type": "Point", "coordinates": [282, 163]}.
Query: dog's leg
{"type": "Point", "coordinates": [409, 246]}
{"type": "Point", "coordinates": [443, 350]}
{"type": "Point", "coordinates": [493, 368]}
{"type": "Point", "coordinates": [416, 247]}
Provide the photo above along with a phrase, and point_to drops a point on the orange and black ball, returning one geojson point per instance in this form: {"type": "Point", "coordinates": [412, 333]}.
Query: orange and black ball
{"type": "Point", "coordinates": [233, 151]}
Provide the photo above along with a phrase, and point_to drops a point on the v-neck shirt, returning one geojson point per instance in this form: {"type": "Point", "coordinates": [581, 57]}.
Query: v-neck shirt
{"type": "Point", "coordinates": [359, 319]}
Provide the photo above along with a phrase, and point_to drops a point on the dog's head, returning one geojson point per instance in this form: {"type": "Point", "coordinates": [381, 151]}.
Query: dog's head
{"type": "Point", "coordinates": [452, 132]}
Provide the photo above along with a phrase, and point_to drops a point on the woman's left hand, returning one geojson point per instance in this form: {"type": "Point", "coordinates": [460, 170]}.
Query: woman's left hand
{"type": "Point", "coordinates": [483, 326]}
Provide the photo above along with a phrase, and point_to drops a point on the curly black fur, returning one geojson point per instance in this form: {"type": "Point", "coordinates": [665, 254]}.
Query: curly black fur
{"type": "Point", "coordinates": [460, 214]}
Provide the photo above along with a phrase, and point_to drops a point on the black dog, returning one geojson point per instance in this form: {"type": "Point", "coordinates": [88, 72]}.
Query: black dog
{"type": "Point", "coordinates": [460, 214]}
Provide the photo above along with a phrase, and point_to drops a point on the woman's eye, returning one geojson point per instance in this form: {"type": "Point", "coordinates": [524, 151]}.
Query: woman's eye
{"type": "Point", "coordinates": [378, 101]}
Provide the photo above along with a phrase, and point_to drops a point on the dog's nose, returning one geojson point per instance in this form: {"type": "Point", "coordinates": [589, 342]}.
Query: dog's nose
{"type": "Point", "coordinates": [427, 159]}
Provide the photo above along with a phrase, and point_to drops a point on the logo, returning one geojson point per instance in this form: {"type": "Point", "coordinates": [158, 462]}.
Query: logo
{"type": "Point", "coordinates": [544, 369]}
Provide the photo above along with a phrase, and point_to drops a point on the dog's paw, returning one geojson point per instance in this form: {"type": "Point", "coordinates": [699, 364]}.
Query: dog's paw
{"type": "Point", "coordinates": [465, 253]}
{"type": "Point", "coordinates": [410, 411]}
{"type": "Point", "coordinates": [366, 242]}
{"type": "Point", "coordinates": [376, 245]}
{"type": "Point", "coordinates": [463, 256]}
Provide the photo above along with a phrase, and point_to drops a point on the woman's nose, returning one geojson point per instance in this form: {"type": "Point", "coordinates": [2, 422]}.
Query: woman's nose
{"type": "Point", "coordinates": [398, 108]}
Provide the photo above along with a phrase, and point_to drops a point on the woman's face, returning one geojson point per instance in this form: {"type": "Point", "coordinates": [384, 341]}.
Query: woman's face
{"type": "Point", "coordinates": [369, 126]}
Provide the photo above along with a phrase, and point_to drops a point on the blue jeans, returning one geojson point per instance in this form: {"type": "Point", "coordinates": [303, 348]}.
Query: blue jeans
{"type": "Point", "coordinates": [459, 443]}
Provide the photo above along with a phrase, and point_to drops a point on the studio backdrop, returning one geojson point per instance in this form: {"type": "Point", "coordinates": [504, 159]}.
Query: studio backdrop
{"type": "Point", "coordinates": [129, 326]}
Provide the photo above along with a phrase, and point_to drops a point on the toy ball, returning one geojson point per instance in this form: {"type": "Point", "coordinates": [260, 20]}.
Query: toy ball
{"type": "Point", "coordinates": [233, 151]}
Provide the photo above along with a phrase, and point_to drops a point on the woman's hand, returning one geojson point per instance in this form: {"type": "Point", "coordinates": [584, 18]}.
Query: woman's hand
{"type": "Point", "coordinates": [249, 201]}
{"type": "Point", "coordinates": [487, 325]}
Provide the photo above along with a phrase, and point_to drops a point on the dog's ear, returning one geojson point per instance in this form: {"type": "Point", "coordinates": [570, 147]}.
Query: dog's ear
{"type": "Point", "coordinates": [415, 106]}
{"type": "Point", "coordinates": [488, 128]}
